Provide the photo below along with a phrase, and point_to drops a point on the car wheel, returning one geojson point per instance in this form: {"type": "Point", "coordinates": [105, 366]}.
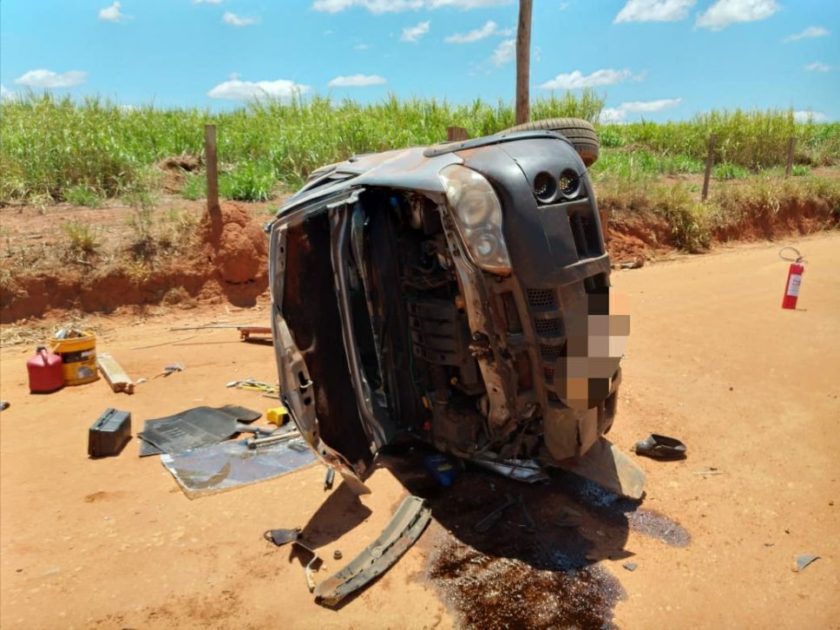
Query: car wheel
{"type": "Point", "coordinates": [579, 132]}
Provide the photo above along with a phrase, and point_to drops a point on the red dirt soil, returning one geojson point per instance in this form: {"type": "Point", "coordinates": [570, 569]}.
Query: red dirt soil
{"type": "Point", "coordinates": [230, 264]}
{"type": "Point", "coordinates": [230, 261]}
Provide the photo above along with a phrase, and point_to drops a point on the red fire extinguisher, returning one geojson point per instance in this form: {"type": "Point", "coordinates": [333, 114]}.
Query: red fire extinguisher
{"type": "Point", "coordinates": [794, 278]}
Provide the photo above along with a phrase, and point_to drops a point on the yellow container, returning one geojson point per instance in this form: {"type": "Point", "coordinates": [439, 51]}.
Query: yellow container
{"type": "Point", "coordinates": [78, 358]}
{"type": "Point", "coordinates": [277, 415]}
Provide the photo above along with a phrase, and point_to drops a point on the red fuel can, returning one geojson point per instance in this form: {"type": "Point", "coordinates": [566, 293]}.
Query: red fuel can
{"type": "Point", "coordinates": [45, 373]}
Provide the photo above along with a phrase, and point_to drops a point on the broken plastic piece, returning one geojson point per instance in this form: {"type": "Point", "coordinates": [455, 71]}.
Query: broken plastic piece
{"type": "Point", "coordinates": [660, 447]}
{"type": "Point", "coordinates": [526, 470]}
{"type": "Point", "coordinates": [282, 537]}
{"type": "Point", "coordinates": [630, 566]}
{"type": "Point", "coordinates": [402, 532]}
{"type": "Point", "coordinates": [804, 560]}
{"type": "Point", "coordinates": [485, 524]}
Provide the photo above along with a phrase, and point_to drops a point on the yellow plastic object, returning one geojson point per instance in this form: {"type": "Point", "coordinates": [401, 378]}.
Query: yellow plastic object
{"type": "Point", "coordinates": [277, 415]}
{"type": "Point", "coordinates": [78, 358]}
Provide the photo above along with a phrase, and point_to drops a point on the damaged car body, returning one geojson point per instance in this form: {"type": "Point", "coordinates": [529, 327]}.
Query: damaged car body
{"type": "Point", "coordinates": [457, 294]}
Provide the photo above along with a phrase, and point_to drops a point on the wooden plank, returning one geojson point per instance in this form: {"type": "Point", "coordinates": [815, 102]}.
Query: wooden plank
{"type": "Point", "coordinates": [114, 374]}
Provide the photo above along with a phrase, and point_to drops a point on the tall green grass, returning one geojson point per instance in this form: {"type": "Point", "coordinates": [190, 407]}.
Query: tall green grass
{"type": "Point", "coordinates": [52, 148]}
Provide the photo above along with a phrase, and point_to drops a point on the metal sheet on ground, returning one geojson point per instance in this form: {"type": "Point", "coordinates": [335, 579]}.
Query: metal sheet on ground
{"type": "Point", "coordinates": [212, 469]}
{"type": "Point", "coordinates": [193, 428]}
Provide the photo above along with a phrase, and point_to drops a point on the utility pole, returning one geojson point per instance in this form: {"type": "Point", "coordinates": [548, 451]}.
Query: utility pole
{"type": "Point", "coordinates": [523, 63]}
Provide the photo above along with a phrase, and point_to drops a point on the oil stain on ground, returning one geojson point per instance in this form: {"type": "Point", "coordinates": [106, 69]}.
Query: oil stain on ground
{"type": "Point", "coordinates": [496, 592]}
{"type": "Point", "coordinates": [538, 564]}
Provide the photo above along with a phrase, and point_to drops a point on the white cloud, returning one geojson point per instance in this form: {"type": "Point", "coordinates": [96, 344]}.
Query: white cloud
{"type": "Point", "coordinates": [809, 33]}
{"type": "Point", "coordinates": [207, 1]}
{"type": "Point", "coordinates": [807, 115]}
{"type": "Point", "coordinates": [414, 33]}
{"type": "Point", "coordinates": [577, 80]}
{"type": "Point", "coordinates": [49, 79]}
{"type": "Point", "coordinates": [504, 53]}
{"type": "Point", "coordinates": [619, 114]}
{"type": "Point", "coordinates": [236, 90]}
{"type": "Point", "coordinates": [397, 6]}
{"type": "Point", "coordinates": [361, 47]}
{"type": "Point", "coordinates": [357, 80]}
{"type": "Point", "coordinates": [112, 13]}
{"type": "Point", "coordinates": [489, 28]}
{"type": "Point", "coordinates": [238, 20]}
{"type": "Point", "coordinates": [818, 66]}
{"type": "Point", "coordinates": [725, 12]}
{"type": "Point", "coordinates": [6, 94]}
{"type": "Point", "coordinates": [654, 11]}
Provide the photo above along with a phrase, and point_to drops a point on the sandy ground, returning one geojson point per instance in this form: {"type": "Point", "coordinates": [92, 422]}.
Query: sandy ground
{"type": "Point", "coordinates": [753, 390]}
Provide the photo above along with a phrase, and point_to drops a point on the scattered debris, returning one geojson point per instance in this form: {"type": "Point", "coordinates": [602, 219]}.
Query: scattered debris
{"type": "Point", "coordinates": [637, 263]}
{"type": "Point", "coordinates": [803, 561]}
{"type": "Point", "coordinates": [282, 537]}
{"type": "Point", "coordinates": [440, 468]}
{"type": "Point", "coordinates": [329, 478]}
{"type": "Point", "coordinates": [277, 415]}
{"type": "Point", "coordinates": [261, 334]}
{"type": "Point", "coordinates": [114, 373]}
{"type": "Point", "coordinates": [711, 470]}
{"type": "Point", "coordinates": [526, 470]}
{"type": "Point", "coordinates": [402, 532]}
{"type": "Point", "coordinates": [109, 434]}
{"type": "Point", "coordinates": [660, 447]}
{"type": "Point", "coordinates": [232, 464]}
{"type": "Point", "coordinates": [170, 369]}
{"type": "Point", "coordinates": [199, 426]}
{"type": "Point", "coordinates": [255, 385]}
{"type": "Point", "coordinates": [259, 442]}
{"type": "Point", "coordinates": [630, 566]}
{"type": "Point", "coordinates": [485, 524]}
{"type": "Point", "coordinates": [529, 520]}
{"type": "Point", "coordinates": [568, 517]}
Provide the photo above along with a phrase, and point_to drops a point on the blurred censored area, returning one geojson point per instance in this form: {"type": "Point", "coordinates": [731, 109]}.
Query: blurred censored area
{"type": "Point", "coordinates": [596, 337]}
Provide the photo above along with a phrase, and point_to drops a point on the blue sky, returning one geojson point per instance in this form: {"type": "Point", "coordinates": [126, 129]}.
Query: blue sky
{"type": "Point", "coordinates": [657, 59]}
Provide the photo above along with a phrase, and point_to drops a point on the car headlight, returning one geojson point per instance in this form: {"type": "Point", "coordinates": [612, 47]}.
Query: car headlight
{"type": "Point", "coordinates": [478, 217]}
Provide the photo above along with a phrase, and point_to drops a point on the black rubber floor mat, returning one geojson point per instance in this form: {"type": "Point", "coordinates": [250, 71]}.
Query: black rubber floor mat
{"type": "Point", "coordinates": [200, 426]}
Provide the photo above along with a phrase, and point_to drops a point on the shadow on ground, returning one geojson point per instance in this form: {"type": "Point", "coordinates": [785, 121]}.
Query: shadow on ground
{"type": "Point", "coordinates": [534, 566]}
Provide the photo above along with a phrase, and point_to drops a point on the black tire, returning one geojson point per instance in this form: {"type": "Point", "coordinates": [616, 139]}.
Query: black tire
{"type": "Point", "coordinates": [579, 132]}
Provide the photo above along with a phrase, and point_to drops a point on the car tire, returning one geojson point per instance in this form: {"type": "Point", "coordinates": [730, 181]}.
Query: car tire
{"type": "Point", "coordinates": [579, 132]}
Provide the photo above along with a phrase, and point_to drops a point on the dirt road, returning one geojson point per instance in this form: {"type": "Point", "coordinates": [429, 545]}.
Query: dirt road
{"type": "Point", "coordinates": [754, 391]}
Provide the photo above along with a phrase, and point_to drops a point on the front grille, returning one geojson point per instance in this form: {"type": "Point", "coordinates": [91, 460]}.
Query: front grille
{"type": "Point", "coordinates": [549, 327]}
{"type": "Point", "coordinates": [542, 299]}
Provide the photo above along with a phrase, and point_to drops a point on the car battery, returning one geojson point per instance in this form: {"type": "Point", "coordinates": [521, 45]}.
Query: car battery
{"type": "Point", "coordinates": [110, 433]}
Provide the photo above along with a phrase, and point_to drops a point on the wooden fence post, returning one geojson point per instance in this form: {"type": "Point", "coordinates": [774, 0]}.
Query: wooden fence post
{"type": "Point", "coordinates": [212, 170]}
{"type": "Point", "coordinates": [456, 134]}
{"type": "Point", "coordinates": [710, 162]}
{"type": "Point", "coordinates": [790, 150]}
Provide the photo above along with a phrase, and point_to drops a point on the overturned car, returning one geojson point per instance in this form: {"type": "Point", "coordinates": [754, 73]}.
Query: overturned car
{"type": "Point", "coordinates": [458, 294]}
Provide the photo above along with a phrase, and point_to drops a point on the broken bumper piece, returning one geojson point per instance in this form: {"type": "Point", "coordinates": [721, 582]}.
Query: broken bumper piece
{"type": "Point", "coordinates": [401, 533]}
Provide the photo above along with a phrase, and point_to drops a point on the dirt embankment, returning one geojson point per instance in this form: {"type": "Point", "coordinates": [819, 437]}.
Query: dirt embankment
{"type": "Point", "coordinates": [638, 234]}
{"type": "Point", "coordinates": [230, 262]}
